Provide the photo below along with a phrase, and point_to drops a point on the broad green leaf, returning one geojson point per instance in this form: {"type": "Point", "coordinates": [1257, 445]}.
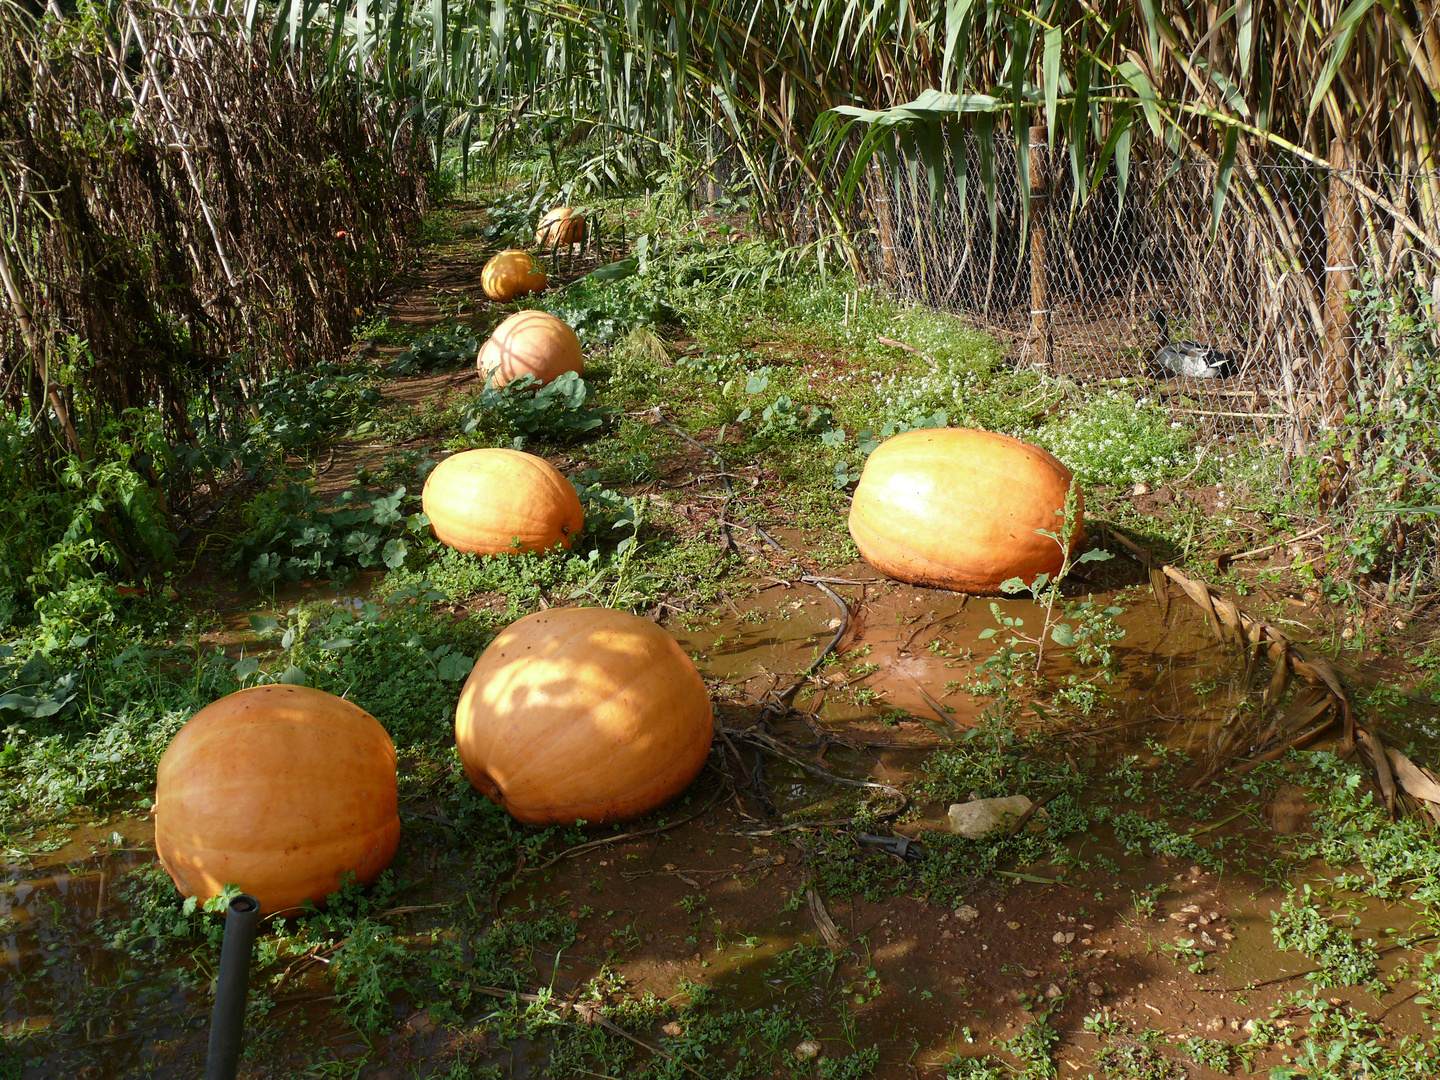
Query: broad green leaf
{"type": "Point", "coordinates": [1080, 127]}
{"type": "Point", "coordinates": [1340, 39]}
{"type": "Point", "coordinates": [930, 147]}
{"type": "Point", "coordinates": [957, 13]}
{"type": "Point", "coordinates": [1145, 91]}
{"type": "Point", "coordinates": [985, 139]}
{"type": "Point", "coordinates": [1222, 178]}
{"type": "Point", "coordinates": [454, 667]}
{"type": "Point", "coordinates": [1050, 70]}
{"type": "Point", "coordinates": [1244, 34]}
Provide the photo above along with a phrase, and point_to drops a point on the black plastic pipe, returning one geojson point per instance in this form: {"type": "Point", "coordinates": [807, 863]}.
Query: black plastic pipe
{"type": "Point", "coordinates": [227, 1022]}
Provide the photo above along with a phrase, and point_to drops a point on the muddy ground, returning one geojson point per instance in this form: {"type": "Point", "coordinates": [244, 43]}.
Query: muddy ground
{"type": "Point", "coordinates": [1160, 948]}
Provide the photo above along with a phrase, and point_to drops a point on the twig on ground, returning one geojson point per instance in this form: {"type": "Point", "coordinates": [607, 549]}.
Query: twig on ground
{"type": "Point", "coordinates": [590, 845]}
{"type": "Point", "coordinates": [1226, 559]}
{"type": "Point", "coordinates": [587, 1013]}
{"type": "Point", "coordinates": [823, 922]}
{"type": "Point", "coordinates": [778, 749]}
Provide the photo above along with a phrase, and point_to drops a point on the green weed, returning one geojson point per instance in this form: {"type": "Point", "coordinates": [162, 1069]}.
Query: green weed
{"type": "Point", "coordinates": [293, 535]}
{"type": "Point", "coordinates": [1137, 1061]}
{"type": "Point", "coordinates": [1113, 439]}
{"type": "Point", "coordinates": [1211, 1053]}
{"type": "Point", "coordinates": [1300, 926]}
{"type": "Point", "coordinates": [522, 410]}
{"type": "Point", "coordinates": [438, 350]}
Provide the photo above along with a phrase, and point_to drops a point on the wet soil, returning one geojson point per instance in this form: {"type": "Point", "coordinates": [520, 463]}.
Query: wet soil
{"type": "Point", "coordinates": [716, 899]}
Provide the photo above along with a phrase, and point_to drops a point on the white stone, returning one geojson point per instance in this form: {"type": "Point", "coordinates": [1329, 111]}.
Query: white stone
{"type": "Point", "coordinates": [982, 816]}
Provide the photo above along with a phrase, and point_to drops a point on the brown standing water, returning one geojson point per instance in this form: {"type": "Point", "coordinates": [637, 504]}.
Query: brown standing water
{"type": "Point", "coordinates": [721, 899]}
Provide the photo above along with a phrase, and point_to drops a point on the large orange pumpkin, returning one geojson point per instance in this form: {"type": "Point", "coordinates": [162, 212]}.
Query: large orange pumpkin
{"type": "Point", "coordinates": [530, 343]}
{"type": "Point", "coordinates": [583, 714]}
{"type": "Point", "coordinates": [959, 508]}
{"type": "Point", "coordinates": [511, 274]}
{"type": "Point", "coordinates": [499, 501]}
{"type": "Point", "coordinates": [560, 228]}
{"type": "Point", "coordinates": [281, 790]}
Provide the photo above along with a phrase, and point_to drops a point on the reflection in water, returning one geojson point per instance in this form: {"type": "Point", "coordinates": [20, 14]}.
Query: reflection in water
{"type": "Point", "coordinates": [1172, 686]}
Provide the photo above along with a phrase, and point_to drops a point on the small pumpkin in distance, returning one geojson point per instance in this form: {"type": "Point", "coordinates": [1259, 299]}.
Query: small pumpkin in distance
{"type": "Point", "coordinates": [959, 508]}
{"type": "Point", "coordinates": [560, 227]}
{"type": "Point", "coordinates": [586, 714]}
{"type": "Point", "coordinates": [510, 274]}
{"type": "Point", "coordinates": [530, 343]}
{"type": "Point", "coordinates": [499, 501]}
{"type": "Point", "coordinates": [281, 790]}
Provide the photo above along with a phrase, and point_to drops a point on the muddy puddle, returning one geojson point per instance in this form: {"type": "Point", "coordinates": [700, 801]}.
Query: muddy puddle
{"type": "Point", "coordinates": [236, 621]}
{"type": "Point", "coordinates": [56, 886]}
{"type": "Point", "coordinates": [728, 899]}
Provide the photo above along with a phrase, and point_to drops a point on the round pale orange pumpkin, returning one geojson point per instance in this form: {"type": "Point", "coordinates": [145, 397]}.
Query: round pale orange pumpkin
{"type": "Point", "coordinates": [560, 228]}
{"type": "Point", "coordinates": [530, 343]}
{"type": "Point", "coordinates": [281, 790]}
{"type": "Point", "coordinates": [959, 508]}
{"type": "Point", "coordinates": [583, 714]}
{"type": "Point", "coordinates": [511, 274]}
{"type": "Point", "coordinates": [499, 501]}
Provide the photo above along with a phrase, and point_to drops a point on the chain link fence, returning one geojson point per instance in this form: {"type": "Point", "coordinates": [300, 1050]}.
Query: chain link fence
{"type": "Point", "coordinates": [1305, 281]}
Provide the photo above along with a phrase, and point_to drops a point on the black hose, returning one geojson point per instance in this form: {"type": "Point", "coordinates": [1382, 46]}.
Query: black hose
{"type": "Point", "coordinates": [227, 1021]}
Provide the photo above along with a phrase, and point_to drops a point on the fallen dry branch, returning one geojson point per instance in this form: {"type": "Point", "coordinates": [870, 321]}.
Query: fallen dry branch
{"type": "Point", "coordinates": [605, 841]}
{"type": "Point", "coordinates": [1225, 560]}
{"type": "Point", "coordinates": [588, 1013]}
{"type": "Point", "coordinates": [823, 923]}
{"type": "Point", "coordinates": [771, 745]}
{"type": "Point", "coordinates": [1306, 721]}
{"type": "Point", "coordinates": [760, 864]}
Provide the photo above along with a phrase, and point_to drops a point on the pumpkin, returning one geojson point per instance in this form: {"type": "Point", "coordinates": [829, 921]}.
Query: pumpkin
{"type": "Point", "coordinates": [511, 274]}
{"type": "Point", "coordinates": [583, 714]}
{"type": "Point", "coordinates": [500, 501]}
{"type": "Point", "coordinates": [560, 228]}
{"type": "Point", "coordinates": [281, 790]}
{"type": "Point", "coordinates": [959, 508]}
{"type": "Point", "coordinates": [530, 343]}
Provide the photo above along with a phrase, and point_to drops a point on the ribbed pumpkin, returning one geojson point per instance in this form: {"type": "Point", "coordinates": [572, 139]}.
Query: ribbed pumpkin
{"type": "Point", "coordinates": [281, 790]}
{"type": "Point", "coordinates": [560, 228]}
{"type": "Point", "coordinates": [511, 274]}
{"type": "Point", "coordinates": [958, 508]}
{"type": "Point", "coordinates": [530, 343]}
{"type": "Point", "coordinates": [487, 501]}
{"type": "Point", "coordinates": [583, 714]}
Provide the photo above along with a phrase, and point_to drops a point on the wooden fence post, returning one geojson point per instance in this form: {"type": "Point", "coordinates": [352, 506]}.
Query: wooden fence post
{"type": "Point", "coordinates": [884, 221]}
{"type": "Point", "coordinates": [1041, 323]}
{"type": "Point", "coordinates": [1339, 278]}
